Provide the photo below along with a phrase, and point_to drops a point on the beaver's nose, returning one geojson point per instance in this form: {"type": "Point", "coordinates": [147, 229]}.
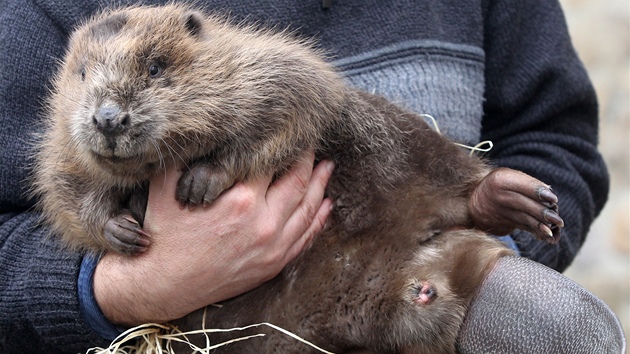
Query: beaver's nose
{"type": "Point", "coordinates": [111, 119]}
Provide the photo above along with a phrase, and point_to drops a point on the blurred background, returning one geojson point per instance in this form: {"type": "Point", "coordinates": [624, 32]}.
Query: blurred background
{"type": "Point", "coordinates": [601, 34]}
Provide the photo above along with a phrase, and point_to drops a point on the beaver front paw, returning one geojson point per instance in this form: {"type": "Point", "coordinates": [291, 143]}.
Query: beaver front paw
{"type": "Point", "coordinates": [202, 184]}
{"type": "Point", "coordinates": [125, 235]}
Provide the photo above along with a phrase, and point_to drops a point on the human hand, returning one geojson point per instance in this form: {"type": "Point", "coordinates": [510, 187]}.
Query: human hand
{"type": "Point", "coordinates": [210, 254]}
{"type": "Point", "coordinates": [507, 199]}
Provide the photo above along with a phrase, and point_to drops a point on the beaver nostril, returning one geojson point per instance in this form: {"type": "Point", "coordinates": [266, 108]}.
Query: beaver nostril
{"type": "Point", "coordinates": [125, 119]}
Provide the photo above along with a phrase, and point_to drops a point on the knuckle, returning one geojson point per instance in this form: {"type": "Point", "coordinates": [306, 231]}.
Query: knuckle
{"type": "Point", "coordinates": [267, 232]}
{"type": "Point", "coordinates": [273, 262]}
{"type": "Point", "coordinates": [242, 199]}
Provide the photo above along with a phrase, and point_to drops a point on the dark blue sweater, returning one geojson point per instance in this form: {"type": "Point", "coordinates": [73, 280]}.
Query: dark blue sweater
{"type": "Point", "coordinates": [495, 70]}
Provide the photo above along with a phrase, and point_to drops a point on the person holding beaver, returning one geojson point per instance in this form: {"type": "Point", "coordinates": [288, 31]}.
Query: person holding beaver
{"type": "Point", "coordinates": [525, 115]}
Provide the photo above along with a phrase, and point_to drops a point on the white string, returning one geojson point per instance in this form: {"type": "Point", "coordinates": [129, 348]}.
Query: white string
{"type": "Point", "coordinates": [478, 146]}
{"type": "Point", "coordinates": [472, 149]}
{"type": "Point", "coordinates": [435, 125]}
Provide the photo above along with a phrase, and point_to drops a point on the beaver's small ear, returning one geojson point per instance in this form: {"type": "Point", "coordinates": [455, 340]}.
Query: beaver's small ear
{"type": "Point", "coordinates": [108, 26]}
{"type": "Point", "coordinates": [194, 23]}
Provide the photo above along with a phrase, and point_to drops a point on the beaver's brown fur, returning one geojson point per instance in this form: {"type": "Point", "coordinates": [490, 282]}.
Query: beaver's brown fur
{"type": "Point", "coordinates": [142, 88]}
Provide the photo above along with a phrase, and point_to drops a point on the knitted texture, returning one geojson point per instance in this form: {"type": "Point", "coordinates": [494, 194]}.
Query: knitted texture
{"type": "Point", "coordinates": [499, 70]}
{"type": "Point", "coordinates": [39, 309]}
{"type": "Point", "coordinates": [424, 76]}
{"type": "Point", "coordinates": [524, 307]}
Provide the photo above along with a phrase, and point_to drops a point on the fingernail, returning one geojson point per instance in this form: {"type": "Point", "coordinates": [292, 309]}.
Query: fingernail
{"type": "Point", "coordinates": [130, 219]}
{"type": "Point", "coordinates": [552, 217]}
{"type": "Point", "coordinates": [139, 250]}
{"type": "Point", "coordinates": [330, 165]}
{"type": "Point", "coordinates": [143, 233]}
{"type": "Point", "coordinates": [143, 242]}
{"type": "Point", "coordinates": [544, 228]}
{"type": "Point", "coordinates": [546, 194]}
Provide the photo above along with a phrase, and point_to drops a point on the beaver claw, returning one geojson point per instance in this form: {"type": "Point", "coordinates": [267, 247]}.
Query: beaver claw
{"type": "Point", "coordinates": [125, 235]}
{"type": "Point", "coordinates": [202, 184]}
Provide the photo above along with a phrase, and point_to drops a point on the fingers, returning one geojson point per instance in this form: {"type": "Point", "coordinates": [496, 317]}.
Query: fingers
{"type": "Point", "coordinates": [546, 194]}
{"type": "Point", "coordinates": [519, 182]}
{"type": "Point", "coordinates": [530, 215]}
{"type": "Point", "coordinates": [507, 199]}
{"type": "Point", "coordinates": [289, 190]}
{"type": "Point", "coordinates": [319, 221]}
{"type": "Point", "coordinates": [304, 218]}
{"type": "Point", "coordinates": [538, 206]}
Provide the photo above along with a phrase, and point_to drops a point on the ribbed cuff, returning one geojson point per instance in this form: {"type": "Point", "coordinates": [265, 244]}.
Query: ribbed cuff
{"type": "Point", "coordinates": [51, 295]}
{"type": "Point", "coordinates": [90, 310]}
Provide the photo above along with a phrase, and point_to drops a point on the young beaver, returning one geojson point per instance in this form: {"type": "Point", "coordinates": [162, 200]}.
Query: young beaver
{"type": "Point", "coordinates": [145, 88]}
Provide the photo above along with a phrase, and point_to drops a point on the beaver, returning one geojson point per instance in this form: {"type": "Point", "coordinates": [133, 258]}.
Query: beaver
{"type": "Point", "coordinates": [145, 88]}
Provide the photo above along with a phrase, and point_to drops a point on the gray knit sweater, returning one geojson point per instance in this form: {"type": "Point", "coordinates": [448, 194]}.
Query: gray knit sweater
{"type": "Point", "coordinates": [500, 70]}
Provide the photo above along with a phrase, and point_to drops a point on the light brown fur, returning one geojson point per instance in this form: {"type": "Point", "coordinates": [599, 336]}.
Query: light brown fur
{"type": "Point", "coordinates": [233, 103]}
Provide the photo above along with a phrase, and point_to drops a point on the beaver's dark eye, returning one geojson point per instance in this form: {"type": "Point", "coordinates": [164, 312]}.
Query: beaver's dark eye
{"type": "Point", "coordinates": [155, 70]}
{"type": "Point", "coordinates": [83, 74]}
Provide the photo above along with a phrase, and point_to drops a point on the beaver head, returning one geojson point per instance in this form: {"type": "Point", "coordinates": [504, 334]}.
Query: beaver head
{"type": "Point", "coordinates": [140, 88]}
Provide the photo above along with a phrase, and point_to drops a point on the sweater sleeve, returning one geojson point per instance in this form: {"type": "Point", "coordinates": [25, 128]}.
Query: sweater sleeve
{"type": "Point", "coordinates": [541, 113]}
{"type": "Point", "coordinates": [39, 303]}
{"type": "Point", "coordinates": [39, 306]}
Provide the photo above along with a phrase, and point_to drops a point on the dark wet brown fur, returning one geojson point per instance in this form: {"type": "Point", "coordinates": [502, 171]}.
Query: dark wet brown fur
{"type": "Point", "coordinates": [393, 271]}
